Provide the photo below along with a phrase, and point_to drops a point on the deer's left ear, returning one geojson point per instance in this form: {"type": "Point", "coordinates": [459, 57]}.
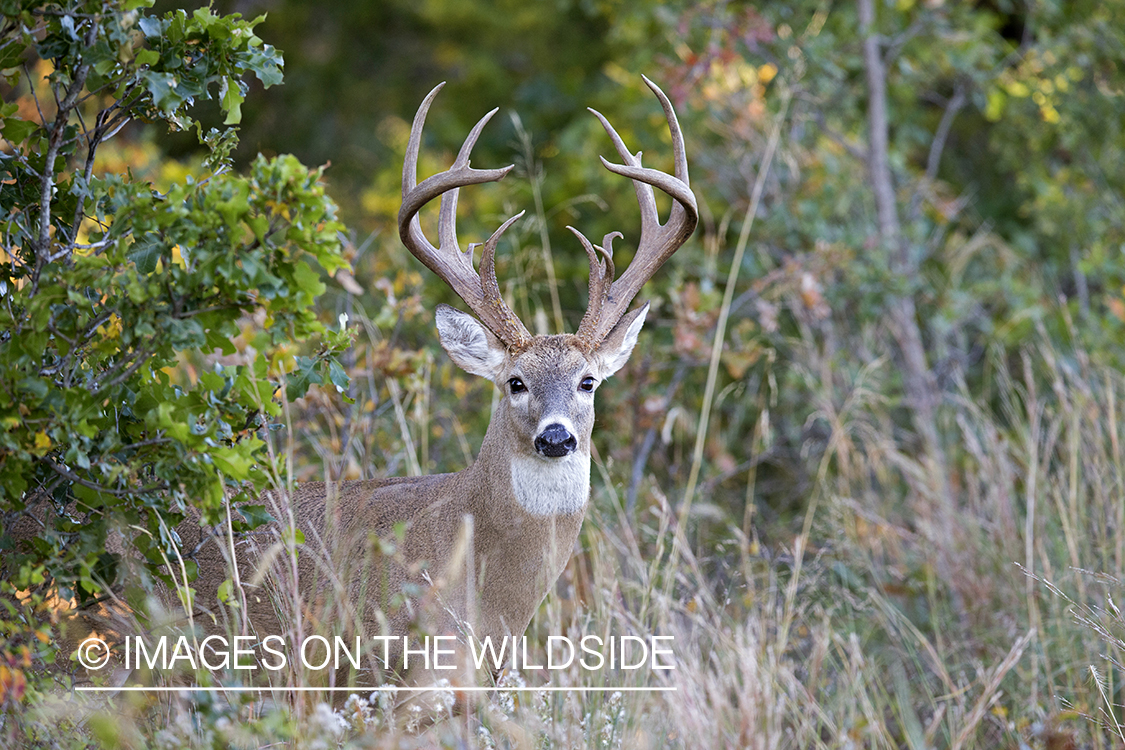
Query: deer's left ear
{"type": "Point", "coordinates": [615, 349]}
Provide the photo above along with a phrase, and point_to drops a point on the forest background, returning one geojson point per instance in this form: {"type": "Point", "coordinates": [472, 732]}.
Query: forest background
{"type": "Point", "coordinates": [868, 458]}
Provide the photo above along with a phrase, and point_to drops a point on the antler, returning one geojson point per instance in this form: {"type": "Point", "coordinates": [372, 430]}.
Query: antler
{"type": "Point", "coordinates": [481, 292]}
{"type": "Point", "coordinates": [610, 299]}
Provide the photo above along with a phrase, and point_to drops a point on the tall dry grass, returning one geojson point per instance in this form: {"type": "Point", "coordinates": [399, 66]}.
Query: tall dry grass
{"type": "Point", "coordinates": [874, 624]}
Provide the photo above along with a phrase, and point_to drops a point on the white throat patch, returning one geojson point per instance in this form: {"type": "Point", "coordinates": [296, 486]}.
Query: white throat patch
{"type": "Point", "coordinates": [548, 487]}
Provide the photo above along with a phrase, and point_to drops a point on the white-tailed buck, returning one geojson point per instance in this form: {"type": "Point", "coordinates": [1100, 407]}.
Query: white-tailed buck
{"type": "Point", "coordinates": [482, 547]}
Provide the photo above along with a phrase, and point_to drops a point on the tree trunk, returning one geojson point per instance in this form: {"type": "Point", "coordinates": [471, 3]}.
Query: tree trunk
{"type": "Point", "coordinates": [918, 381]}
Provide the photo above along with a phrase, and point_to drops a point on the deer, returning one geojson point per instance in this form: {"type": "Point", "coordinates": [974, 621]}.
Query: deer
{"type": "Point", "coordinates": [481, 547]}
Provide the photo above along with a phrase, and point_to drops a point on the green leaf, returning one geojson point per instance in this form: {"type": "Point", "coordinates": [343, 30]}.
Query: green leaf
{"type": "Point", "coordinates": [340, 379]}
{"type": "Point", "coordinates": [267, 64]}
{"type": "Point", "coordinates": [11, 54]}
{"type": "Point", "coordinates": [163, 89]}
{"type": "Point", "coordinates": [306, 374]}
{"type": "Point", "coordinates": [152, 27]}
{"type": "Point", "coordinates": [232, 462]}
{"type": "Point", "coordinates": [16, 131]}
{"type": "Point", "coordinates": [145, 253]}
{"type": "Point", "coordinates": [147, 57]}
{"type": "Point", "coordinates": [308, 280]}
{"type": "Point", "coordinates": [91, 498]}
{"type": "Point", "coordinates": [225, 593]}
{"type": "Point", "coordinates": [255, 515]}
{"type": "Point", "coordinates": [232, 97]}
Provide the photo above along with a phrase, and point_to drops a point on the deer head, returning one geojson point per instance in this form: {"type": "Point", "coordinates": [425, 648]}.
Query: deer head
{"type": "Point", "coordinates": [546, 414]}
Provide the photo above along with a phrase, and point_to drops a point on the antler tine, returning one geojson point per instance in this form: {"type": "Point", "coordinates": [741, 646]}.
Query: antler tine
{"type": "Point", "coordinates": [447, 218]}
{"type": "Point", "coordinates": [601, 273]}
{"type": "Point", "coordinates": [645, 197]}
{"type": "Point", "coordinates": [658, 241]}
{"type": "Point", "coordinates": [508, 327]}
{"type": "Point", "coordinates": [679, 154]}
{"type": "Point", "coordinates": [481, 292]}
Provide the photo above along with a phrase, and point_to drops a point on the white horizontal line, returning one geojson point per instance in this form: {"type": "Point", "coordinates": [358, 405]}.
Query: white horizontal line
{"type": "Point", "coordinates": [382, 689]}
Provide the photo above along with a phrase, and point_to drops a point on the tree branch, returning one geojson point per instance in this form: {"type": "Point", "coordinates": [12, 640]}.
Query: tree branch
{"type": "Point", "coordinates": [69, 475]}
{"type": "Point", "coordinates": [838, 138]}
{"type": "Point", "coordinates": [58, 129]}
{"type": "Point", "coordinates": [956, 102]}
{"type": "Point", "coordinates": [136, 360]}
{"type": "Point", "coordinates": [882, 183]}
{"type": "Point", "coordinates": [895, 45]}
{"type": "Point", "coordinates": [918, 380]}
{"type": "Point", "coordinates": [937, 146]}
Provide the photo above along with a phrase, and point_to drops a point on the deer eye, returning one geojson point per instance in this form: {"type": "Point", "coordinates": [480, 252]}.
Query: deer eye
{"type": "Point", "coordinates": [516, 385]}
{"type": "Point", "coordinates": [587, 384]}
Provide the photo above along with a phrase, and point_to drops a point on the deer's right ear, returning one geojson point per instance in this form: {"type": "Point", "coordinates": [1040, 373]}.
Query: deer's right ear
{"type": "Point", "coordinates": [472, 346]}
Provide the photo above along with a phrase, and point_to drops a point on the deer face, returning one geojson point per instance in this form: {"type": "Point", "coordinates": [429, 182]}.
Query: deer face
{"type": "Point", "coordinates": [547, 407]}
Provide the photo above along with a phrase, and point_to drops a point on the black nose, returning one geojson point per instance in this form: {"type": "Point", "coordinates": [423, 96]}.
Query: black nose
{"type": "Point", "coordinates": [555, 441]}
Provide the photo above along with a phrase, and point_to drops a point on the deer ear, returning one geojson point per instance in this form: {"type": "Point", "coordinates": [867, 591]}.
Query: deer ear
{"type": "Point", "coordinates": [472, 346]}
{"type": "Point", "coordinates": [616, 347]}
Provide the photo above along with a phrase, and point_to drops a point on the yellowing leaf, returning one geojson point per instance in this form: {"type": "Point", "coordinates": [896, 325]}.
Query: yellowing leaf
{"type": "Point", "coordinates": [995, 107]}
{"type": "Point", "coordinates": [1018, 89]}
{"type": "Point", "coordinates": [111, 329]}
{"type": "Point", "coordinates": [1117, 307]}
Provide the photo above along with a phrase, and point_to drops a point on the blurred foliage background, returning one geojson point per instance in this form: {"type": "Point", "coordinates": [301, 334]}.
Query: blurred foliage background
{"type": "Point", "coordinates": [1004, 151]}
{"type": "Point", "coordinates": [911, 257]}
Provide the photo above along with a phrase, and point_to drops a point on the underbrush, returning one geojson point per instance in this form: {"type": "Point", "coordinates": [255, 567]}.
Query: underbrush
{"type": "Point", "coordinates": [877, 621]}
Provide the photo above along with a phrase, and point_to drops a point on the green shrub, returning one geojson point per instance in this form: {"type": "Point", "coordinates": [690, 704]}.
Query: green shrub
{"type": "Point", "coordinates": [106, 284]}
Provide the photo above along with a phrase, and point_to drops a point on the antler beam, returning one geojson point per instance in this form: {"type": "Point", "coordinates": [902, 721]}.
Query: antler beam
{"type": "Point", "coordinates": [481, 292]}
{"type": "Point", "coordinates": [609, 299]}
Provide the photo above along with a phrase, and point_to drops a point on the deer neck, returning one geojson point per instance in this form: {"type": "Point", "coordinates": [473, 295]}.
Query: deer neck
{"type": "Point", "coordinates": [530, 514]}
{"type": "Point", "coordinates": [541, 487]}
